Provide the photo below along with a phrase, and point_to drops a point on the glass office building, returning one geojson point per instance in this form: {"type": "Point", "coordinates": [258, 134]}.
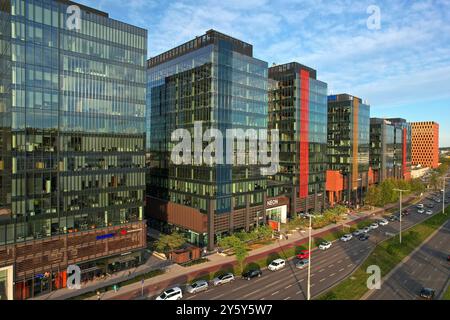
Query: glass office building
{"type": "Point", "coordinates": [349, 145]}
{"type": "Point", "coordinates": [382, 149]}
{"type": "Point", "coordinates": [403, 145]}
{"type": "Point", "coordinates": [213, 79]}
{"type": "Point", "coordinates": [298, 109]}
{"type": "Point", "coordinates": [73, 140]}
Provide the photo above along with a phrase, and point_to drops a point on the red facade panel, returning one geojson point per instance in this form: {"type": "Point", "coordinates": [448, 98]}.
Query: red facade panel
{"type": "Point", "coordinates": [304, 134]}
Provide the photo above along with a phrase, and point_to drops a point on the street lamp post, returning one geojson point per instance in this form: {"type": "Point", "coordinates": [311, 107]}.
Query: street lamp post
{"type": "Point", "coordinates": [309, 257]}
{"type": "Point", "coordinates": [443, 195]}
{"type": "Point", "coordinates": [400, 214]}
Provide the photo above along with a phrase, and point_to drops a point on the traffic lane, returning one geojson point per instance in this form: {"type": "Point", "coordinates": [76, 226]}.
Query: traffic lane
{"type": "Point", "coordinates": [323, 262]}
{"type": "Point", "coordinates": [428, 267]}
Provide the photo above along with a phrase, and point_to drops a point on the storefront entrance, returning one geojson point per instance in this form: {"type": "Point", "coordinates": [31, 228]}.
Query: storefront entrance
{"type": "Point", "coordinates": [6, 283]}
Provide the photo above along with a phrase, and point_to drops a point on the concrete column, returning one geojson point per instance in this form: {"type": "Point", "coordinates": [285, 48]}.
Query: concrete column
{"type": "Point", "coordinates": [231, 217]}
{"type": "Point", "coordinates": [247, 213]}
{"type": "Point", "coordinates": [293, 202]}
{"type": "Point", "coordinates": [263, 213]}
{"type": "Point", "coordinates": [211, 229]}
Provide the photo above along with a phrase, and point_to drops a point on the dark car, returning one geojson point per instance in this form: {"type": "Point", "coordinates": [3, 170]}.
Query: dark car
{"type": "Point", "coordinates": [430, 205]}
{"type": "Point", "coordinates": [364, 237]}
{"type": "Point", "coordinates": [448, 258]}
{"type": "Point", "coordinates": [427, 293]}
{"type": "Point", "coordinates": [252, 274]}
{"type": "Point", "coordinates": [392, 218]}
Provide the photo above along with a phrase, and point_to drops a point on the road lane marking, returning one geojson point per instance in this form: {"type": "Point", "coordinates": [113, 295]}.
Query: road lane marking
{"type": "Point", "coordinates": [287, 298]}
{"type": "Point", "coordinates": [298, 292]}
{"type": "Point", "coordinates": [301, 280]}
{"type": "Point", "coordinates": [332, 275]}
{"type": "Point", "coordinates": [341, 270]}
{"type": "Point", "coordinates": [272, 284]}
{"type": "Point", "coordinates": [322, 270]}
{"type": "Point", "coordinates": [253, 292]}
{"type": "Point", "coordinates": [276, 292]}
{"type": "Point", "coordinates": [288, 286]}
{"type": "Point", "coordinates": [331, 266]}
{"type": "Point", "coordinates": [239, 288]}
{"type": "Point", "coordinates": [349, 265]}
{"type": "Point", "coordinates": [313, 285]}
{"type": "Point", "coordinates": [339, 261]}
{"type": "Point", "coordinates": [219, 296]}
{"type": "Point", "coordinates": [322, 280]}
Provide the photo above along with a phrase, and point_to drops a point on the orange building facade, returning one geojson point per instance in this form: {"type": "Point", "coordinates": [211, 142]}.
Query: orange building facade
{"type": "Point", "coordinates": [425, 144]}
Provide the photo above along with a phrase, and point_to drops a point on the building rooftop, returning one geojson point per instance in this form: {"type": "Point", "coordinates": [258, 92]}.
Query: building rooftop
{"type": "Point", "coordinates": [291, 67]}
{"type": "Point", "coordinates": [210, 37]}
{"type": "Point", "coordinates": [85, 8]}
{"type": "Point", "coordinates": [342, 97]}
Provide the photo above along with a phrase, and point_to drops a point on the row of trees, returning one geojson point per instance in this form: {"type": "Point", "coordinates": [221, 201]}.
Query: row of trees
{"type": "Point", "coordinates": [239, 242]}
{"type": "Point", "coordinates": [332, 215]}
{"type": "Point", "coordinates": [382, 194]}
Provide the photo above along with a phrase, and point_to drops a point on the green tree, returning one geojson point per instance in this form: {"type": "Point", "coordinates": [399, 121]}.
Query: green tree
{"type": "Point", "coordinates": [434, 181]}
{"type": "Point", "coordinates": [241, 251]}
{"type": "Point", "coordinates": [239, 248]}
{"type": "Point", "coordinates": [170, 242]}
{"type": "Point", "coordinates": [373, 196]}
{"type": "Point", "coordinates": [264, 232]}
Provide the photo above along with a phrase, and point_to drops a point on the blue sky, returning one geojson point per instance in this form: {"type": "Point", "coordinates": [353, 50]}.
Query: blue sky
{"type": "Point", "coordinates": [402, 69]}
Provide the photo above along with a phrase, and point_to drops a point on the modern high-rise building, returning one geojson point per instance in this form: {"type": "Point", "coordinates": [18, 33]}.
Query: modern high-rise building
{"type": "Point", "coordinates": [403, 145]}
{"type": "Point", "coordinates": [298, 109]}
{"type": "Point", "coordinates": [213, 81]}
{"type": "Point", "coordinates": [390, 149]}
{"type": "Point", "coordinates": [348, 172]}
{"type": "Point", "coordinates": [72, 145]}
{"type": "Point", "coordinates": [425, 144]}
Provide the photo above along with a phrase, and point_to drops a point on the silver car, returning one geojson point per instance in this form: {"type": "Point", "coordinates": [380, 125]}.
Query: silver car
{"type": "Point", "coordinates": [225, 278]}
{"type": "Point", "coordinates": [197, 286]}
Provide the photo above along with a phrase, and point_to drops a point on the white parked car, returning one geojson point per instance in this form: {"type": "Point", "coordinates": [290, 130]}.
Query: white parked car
{"type": "Point", "coordinates": [358, 232]}
{"type": "Point", "coordinates": [421, 211]}
{"type": "Point", "coordinates": [325, 245]}
{"type": "Point", "coordinates": [171, 294]}
{"type": "Point", "coordinates": [374, 226]}
{"type": "Point", "coordinates": [383, 222]}
{"type": "Point", "coordinates": [366, 229]}
{"type": "Point", "coordinates": [429, 212]}
{"type": "Point", "coordinates": [276, 265]}
{"type": "Point", "coordinates": [347, 237]}
{"type": "Point", "coordinates": [225, 278]}
{"type": "Point", "coordinates": [420, 206]}
{"type": "Point", "coordinates": [197, 286]}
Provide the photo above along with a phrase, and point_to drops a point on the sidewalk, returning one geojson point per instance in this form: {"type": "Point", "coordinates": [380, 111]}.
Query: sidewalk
{"type": "Point", "coordinates": [151, 264]}
{"type": "Point", "coordinates": [176, 275]}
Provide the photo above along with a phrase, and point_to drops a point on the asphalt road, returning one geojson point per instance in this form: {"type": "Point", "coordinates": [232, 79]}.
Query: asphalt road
{"type": "Point", "coordinates": [427, 267]}
{"type": "Point", "coordinates": [328, 268]}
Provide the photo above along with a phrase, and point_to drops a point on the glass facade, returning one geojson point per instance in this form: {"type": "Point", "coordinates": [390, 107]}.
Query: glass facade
{"type": "Point", "coordinates": [210, 80]}
{"type": "Point", "coordinates": [349, 141]}
{"type": "Point", "coordinates": [383, 149]}
{"type": "Point", "coordinates": [298, 119]}
{"type": "Point", "coordinates": [76, 124]}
